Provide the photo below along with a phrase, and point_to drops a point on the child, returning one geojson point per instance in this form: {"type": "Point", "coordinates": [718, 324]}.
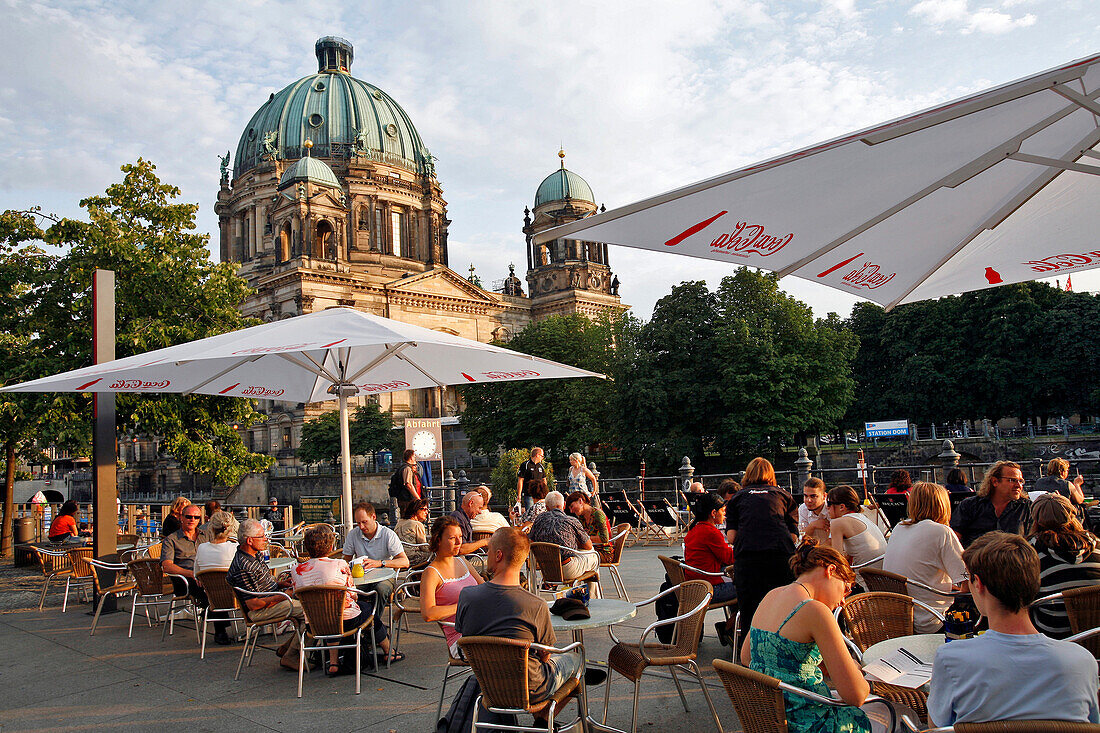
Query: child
{"type": "Point", "coordinates": [813, 520]}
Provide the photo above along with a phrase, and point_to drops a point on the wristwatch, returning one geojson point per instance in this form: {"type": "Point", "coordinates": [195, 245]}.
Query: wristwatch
{"type": "Point", "coordinates": [383, 563]}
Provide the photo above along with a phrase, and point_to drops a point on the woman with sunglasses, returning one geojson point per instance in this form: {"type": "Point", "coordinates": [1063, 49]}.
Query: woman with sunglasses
{"type": "Point", "coordinates": [793, 631]}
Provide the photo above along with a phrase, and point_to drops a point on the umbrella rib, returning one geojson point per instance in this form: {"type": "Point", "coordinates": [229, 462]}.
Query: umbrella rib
{"type": "Point", "coordinates": [1077, 98]}
{"type": "Point", "coordinates": [420, 369]}
{"type": "Point", "coordinates": [1055, 163]}
{"type": "Point", "coordinates": [1038, 183]}
{"type": "Point", "coordinates": [318, 370]}
{"type": "Point", "coordinates": [221, 374]}
{"type": "Point", "coordinates": [390, 351]}
{"type": "Point", "coordinates": [956, 178]}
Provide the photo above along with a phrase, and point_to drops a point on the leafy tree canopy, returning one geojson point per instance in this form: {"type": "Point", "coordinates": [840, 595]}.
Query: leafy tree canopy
{"type": "Point", "coordinates": [369, 430]}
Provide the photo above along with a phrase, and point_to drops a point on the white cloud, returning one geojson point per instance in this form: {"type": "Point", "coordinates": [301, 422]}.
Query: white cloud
{"type": "Point", "coordinates": [957, 13]}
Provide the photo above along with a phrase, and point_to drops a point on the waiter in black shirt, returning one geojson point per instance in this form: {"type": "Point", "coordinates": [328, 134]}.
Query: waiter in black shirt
{"type": "Point", "coordinates": [762, 526]}
{"type": "Point", "coordinates": [532, 468]}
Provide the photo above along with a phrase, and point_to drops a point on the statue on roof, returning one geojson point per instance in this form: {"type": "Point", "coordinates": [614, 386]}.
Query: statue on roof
{"type": "Point", "coordinates": [271, 145]}
{"type": "Point", "coordinates": [360, 140]}
{"type": "Point", "coordinates": [225, 166]}
{"type": "Point", "coordinates": [429, 164]}
{"type": "Point", "coordinates": [615, 286]}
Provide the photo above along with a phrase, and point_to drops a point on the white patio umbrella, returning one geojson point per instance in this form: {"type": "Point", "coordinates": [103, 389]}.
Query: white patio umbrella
{"type": "Point", "coordinates": [998, 187]}
{"type": "Point", "coordinates": [333, 354]}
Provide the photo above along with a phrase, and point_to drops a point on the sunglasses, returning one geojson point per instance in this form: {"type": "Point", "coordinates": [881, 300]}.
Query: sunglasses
{"type": "Point", "coordinates": [192, 516]}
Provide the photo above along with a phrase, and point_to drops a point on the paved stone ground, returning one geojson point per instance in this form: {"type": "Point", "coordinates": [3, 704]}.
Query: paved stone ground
{"type": "Point", "coordinates": [54, 676]}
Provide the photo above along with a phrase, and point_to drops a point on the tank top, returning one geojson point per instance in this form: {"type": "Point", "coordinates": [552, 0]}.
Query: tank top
{"type": "Point", "coordinates": [868, 544]}
{"type": "Point", "coordinates": [447, 595]}
{"type": "Point", "coordinates": [578, 481]}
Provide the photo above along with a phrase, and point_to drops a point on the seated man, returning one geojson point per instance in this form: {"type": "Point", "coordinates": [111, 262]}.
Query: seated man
{"type": "Point", "coordinates": [471, 507]}
{"type": "Point", "coordinates": [379, 546]}
{"type": "Point", "coordinates": [1011, 672]}
{"type": "Point", "coordinates": [249, 572]}
{"type": "Point", "coordinates": [487, 521]}
{"type": "Point", "coordinates": [557, 527]}
{"type": "Point", "coordinates": [177, 558]}
{"type": "Point", "coordinates": [500, 607]}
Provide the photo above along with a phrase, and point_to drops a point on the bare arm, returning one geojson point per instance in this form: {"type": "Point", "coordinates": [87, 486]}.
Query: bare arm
{"type": "Point", "coordinates": [429, 609]}
{"type": "Point", "coordinates": [731, 536]}
{"type": "Point", "coordinates": [846, 675]}
{"type": "Point", "coordinates": [468, 547]}
{"type": "Point", "coordinates": [1075, 492]}
{"type": "Point", "coordinates": [171, 567]}
{"type": "Point", "coordinates": [836, 534]}
{"type": "Point", "coordinates": [591, 477]}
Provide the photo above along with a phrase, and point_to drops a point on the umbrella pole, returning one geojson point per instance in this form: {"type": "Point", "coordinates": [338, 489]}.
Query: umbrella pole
{"type": "Point", "coordinates": [345, 462]}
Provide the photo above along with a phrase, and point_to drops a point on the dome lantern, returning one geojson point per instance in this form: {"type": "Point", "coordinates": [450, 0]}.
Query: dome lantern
{"type": "Point", "coordinates": [334, 54]}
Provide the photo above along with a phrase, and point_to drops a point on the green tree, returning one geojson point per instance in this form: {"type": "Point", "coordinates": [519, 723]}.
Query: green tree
{"type": "Point", "coordinates": [167, 292]}
{"type": "Point", "coordinates": [503, 477]}
{"type": "Point", "coordinates": [560, 414]}
{"type": "Point", "coordinates": [369, 430]}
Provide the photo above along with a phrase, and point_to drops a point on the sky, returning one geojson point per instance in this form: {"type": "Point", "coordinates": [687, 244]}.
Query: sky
{"type": "Point", "coordinates": [643, 96]}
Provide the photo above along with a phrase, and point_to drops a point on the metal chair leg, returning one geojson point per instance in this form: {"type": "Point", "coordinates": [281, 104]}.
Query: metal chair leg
{"type": "Point", "coordinates": [359, 656]}
{"type": "Point", "coordinates": [98, 608]}
{"type": "Point", "coordinates": [133, 610]}
{"type": "Point", "coordinates": [301, 661]}
{"type": "Point", "coordinates": [65, 602]}
{"type": "Point", "coordinates": [169, 625]}
{"type": "Point", "coordinates": [679, 689]}
{"type": "Point", "coordinates": [634, 715]}
{"type": "Point", "coordinates": [202, 639]}
{"type": "Point", "coordinates": [244, 651]}
{"type": "Point", "coordinates": [45, 586]}
{"type": "Point", "coordinates": [706, 694]}
{"type": "Point", "coordinates": [606, 695]}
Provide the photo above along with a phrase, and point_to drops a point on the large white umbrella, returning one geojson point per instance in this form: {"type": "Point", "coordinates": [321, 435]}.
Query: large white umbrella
{"type": "Point", "coordinates": [333, 354]}
{"type": "Point", "coordinates": [998, 187]}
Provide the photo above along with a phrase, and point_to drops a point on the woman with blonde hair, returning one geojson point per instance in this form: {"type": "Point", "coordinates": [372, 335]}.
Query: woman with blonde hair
{"type": "Point", "coordinates": [924, 549]}
{"type": "Point", "coordinates": [762, 526]}
{"type": "Point", "coordinates": [175, 513]}
{"type": "Point", "coordinates": [794, 631]}
{"type": "Point", "coordinates": [579, 476]}
{"type": "Point", "coordinates": [1068, 558]}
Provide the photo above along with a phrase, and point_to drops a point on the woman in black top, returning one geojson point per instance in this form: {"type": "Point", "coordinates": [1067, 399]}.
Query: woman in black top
{"type": "Point", "coordinates": [762, 525]}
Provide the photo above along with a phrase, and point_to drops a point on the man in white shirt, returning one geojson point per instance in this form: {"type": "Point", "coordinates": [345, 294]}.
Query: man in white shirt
{"type": "Point", "coordinates": [813, 517]}
{"type": "Point", "coordinates": [485, 520]}
{"type": "Point", "coordinates": [379, 547]}
{"type": "Point", "coordinates": [1011, 672]}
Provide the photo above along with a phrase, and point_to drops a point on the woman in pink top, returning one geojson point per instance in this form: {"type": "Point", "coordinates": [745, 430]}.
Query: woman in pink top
{"type": "Point", "coordinates": [321, 570]}
{"type": "Point", "coordinates": [445, 578]}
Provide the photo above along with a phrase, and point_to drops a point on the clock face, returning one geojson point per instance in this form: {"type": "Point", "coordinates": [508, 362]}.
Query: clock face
{"type": "Point", "coordinates": [424, 443]}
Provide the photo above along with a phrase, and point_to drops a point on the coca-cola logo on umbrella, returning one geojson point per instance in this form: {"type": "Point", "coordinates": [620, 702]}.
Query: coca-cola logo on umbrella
{"type": "Point", "coordinates": [385, 387]}
{"type": "Point", "coordinates": [525, 374]}
{"type": "Point", "coordinates": [1063, 261]}
{"type": "Point", "coordinates": [745, 239]}
{"type": "Point", "coordinates": [868, 275]}
{"type": "Point", "coordinates": [137, 384]}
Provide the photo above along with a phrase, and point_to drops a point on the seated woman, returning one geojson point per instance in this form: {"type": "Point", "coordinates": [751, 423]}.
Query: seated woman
{"type": "Point", "coordinates": [322, 570]}
{"type": "Point", "coordinates": [1068, 558]}
{"type": "Point", "coordinates": [851, 533]}
{"type": "Point", "coordinates": [900, 482]}
{"type": "Point", "coordinates": [705, 547]}
{"type": "Point", "coordinates": [63, 528]}
{"type": "Point", "coordinates": [923, 548]}
{"type": "Point", "coordinates": [219, 551]}
{"type": "Point", "coordinates": [594, 522]}
{"type": "Point", "coordinates": [537, 490]}
{"type": "Point", "coordinates": [793, 631]}
{"type": "Point", "coordinates": [411, 530]}
{"type": "Point", "coordinates": [445, 578]}
{"type": "Point", "coordinates": [956, 482]}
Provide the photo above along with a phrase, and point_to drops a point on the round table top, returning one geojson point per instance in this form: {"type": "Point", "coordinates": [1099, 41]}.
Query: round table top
{"type": "Point", "coordinates": [277, 563]}
{"type": "Point", "coordinates": [604, 612]}
{"type": "Point", "coordinates": [123, 547]}
{"type": "Point", "coordinates": [924, 646]}
{"type": "Point", "coordinates": [374, 575]}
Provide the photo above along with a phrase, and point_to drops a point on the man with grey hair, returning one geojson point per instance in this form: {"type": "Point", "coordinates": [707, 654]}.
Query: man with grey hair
{"type": "Point", "coordinates": [557, 527]}
{"type": "Point", "coordinates": [486, 520]}
{"type": "Point", "coordinates": [471, 506]}
{"type": "Point", "coordinates": [249, 572]}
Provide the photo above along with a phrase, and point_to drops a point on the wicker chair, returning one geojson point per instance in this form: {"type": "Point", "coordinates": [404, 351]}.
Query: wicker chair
{"type": "Point", "coordinates": [122, 585]}
{"type": "Point", "coordinates": [500, 666]}
{"type": "Point", "coordinates": [153, 550]}
{"type": "Point", "coordinates": [621, 533]}
{"type": "Point", "coordinates": [631, 659]}
{"type": "Point", "coordinates": [55, 565]}
{"type": "Point", "coordinates": [178, 602]}
{"type": "Point", "coordinates": [127, 539]}
{"type": "Point", "coordinates": [252, 626]}
{"type": "Point", "coordinates": [81, 575]}
{"type": "Point", "coordinates": [758, 698]}
{"type": "Point", "coordinates": [481, 535]}
{"type": "Point", "coordinates": [547, 558]}
{"type": "Point", "coordinates": [279, 551]}
{"type": "Point", "coordinates": [404, 602]}
{"type": "Point", "coordinates": [1083, 609]}
{"type": "Point", "coordinates": [323, 606]}
{"type": "Point", "coordinates": [222, 600]}
{"type": "Point", "coordinates": [874, 617]}
{"type": "Point", "coordinates": [675, 571]}
{"type": "Point", "coordinates": [914, 699]}
{"type": "Point", "coordinates": [883, 581]}
{"type": "Point", "coordinates": [1008, 726]}
{"type": "Point", "coordinates": [456, 667]}
{"type": "Point", "coordinates": [152, 587]}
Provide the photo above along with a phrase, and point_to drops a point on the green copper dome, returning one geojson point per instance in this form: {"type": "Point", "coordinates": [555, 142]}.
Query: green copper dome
{"type": "Point", "coordinates": [309, 169]}
{"type": "Point", "coordinates": [342, 115]}
{"type": "Point", "coordinates": [562, 184]}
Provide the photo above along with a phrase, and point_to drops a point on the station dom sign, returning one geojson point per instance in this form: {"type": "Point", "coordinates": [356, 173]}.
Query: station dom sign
{"type": "Point", "coordinates": [886, 428]}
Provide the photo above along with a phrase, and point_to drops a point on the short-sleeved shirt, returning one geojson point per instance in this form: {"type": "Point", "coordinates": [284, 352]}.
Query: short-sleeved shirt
{"type": "Point", "coordinates": [251, 573]}
{"type": "Point", "coordinates": [764, 519]}
{"type": "Point", "coordinates": [326, 571]}
{"type": "Point", "coordinates": [927, 552]}
{"type": "Point", "coordinates": [530, 470]}
{"type": "Point", "coordinates": [180, 549]}
{"type": "Point", "coordinates": [487, 521]}
{"type": "Point", "coordinates": [211, 555]}
{"type": "Point", "coordinates": [510, 612]}
{"type": "Point", "coordinates": [976, 516]}
{"type": "Point", "coordinates": [63, 524]}
{"type": "Point", "coordinates": [463, 521]}
{"type": "Point", "coordinates": [385, 545]}
{"type": "Point", "coordinates": [555, 526]}
{"type": "Point", "coordinates": [411, 475]}
{"type": "Point", "coordinates": [999, 676]}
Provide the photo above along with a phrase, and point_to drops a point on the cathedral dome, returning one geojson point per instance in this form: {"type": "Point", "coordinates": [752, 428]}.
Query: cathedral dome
{"type": "Point", "coordinates": [311, 170]}
{"type": "Point", "coordinates": [563, 184]}
{"type": "Point", "coordinates": [342, 115]}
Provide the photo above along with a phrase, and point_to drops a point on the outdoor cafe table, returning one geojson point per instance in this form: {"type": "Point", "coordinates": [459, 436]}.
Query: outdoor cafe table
{"type": "Point", "coordinates": [279, 563]}
{"type": "Point", "coordinates": [923, 646]}
{"type": "Point", "coordinates": [375, 575]}
{"type": "Point", "coordinates": [604, 612]}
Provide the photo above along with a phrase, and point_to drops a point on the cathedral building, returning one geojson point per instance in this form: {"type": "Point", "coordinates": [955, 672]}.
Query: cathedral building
{"type": "Point", "coordinates": [333, 200]}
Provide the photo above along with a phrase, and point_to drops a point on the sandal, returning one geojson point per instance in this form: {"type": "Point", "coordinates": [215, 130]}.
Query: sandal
{"type": "Point", "coordinates": [333, 670]}
{"type": "Point", "coordinates": [394, 657]}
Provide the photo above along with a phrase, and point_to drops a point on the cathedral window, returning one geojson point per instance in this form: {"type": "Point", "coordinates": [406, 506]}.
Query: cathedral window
{"type": "Point", "coordinates": [378, 244]}
{"type": "Point", "coordinates": [399, 237]}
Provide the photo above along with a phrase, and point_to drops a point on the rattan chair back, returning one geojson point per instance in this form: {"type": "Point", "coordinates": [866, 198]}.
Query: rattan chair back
{"type": "Point", "coordinates": [277, 550]}
{"type": "Point", "coordinates": [688, 631]}
{"type": "Point", "coordinates": [127, 539]}
{"type": "Point", "coordinates": [479, 535]}
{"type": "Point", "coordinates": [78, 556]}
{"type": "Point", "coordinates": [673, 570]}
{"type": "Point", "coordinates": [153, 550]}
{"type": "Point", "coordinates": [500, 666]}
{"type": "Point", "coordinates": [217, 588]}
{"type": "Point", "coordinates": [618, 545]}
{"type": "Point", "coordinates": [324, 607]}
{"type": "Point", "coordinates": [883, 581]}
{"type": "Point", "coordinates": [548, 558]}
{"type": "Point", "coordinates": [149, 576]}
{"type": "Point", "coordinates": [53, 563]}
{"type": "Point", "coordinates": [874, 617]}
{"type": "Point", "coordinates": [915, 699]}
{"type": "Point", "coordinates": [1083, 610]}
{"type": "Point", "coordinates": [1027, 726]}
{"type": "Point", "coordinates": [756, 697]}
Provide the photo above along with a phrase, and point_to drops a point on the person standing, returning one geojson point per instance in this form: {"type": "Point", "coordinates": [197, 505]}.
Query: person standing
{"type": "Point", "coordinates": [999, 505]}
{"type": "Point", "coordinates": [406, 485]}
{"type": "Point", "coordinates": [532, 468]}
{"type": "Point", "coordinates": [762, 527]}
{"type": "Point", "coordinates": [580, 477]}
{"type": "Point", "coordinates": [273, 514]}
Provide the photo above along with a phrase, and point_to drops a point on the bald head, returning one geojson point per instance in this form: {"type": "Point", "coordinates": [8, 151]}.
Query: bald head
{"type": "Point", "coordinates": [471, 504]}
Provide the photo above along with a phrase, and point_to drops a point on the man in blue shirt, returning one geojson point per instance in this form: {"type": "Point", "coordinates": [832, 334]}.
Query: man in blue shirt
{"type": "Point", "coordinates": [1011, 672]}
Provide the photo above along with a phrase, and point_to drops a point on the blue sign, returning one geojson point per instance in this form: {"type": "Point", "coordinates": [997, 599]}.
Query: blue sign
{"type": "Point", "coordinates": [886, 428]}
